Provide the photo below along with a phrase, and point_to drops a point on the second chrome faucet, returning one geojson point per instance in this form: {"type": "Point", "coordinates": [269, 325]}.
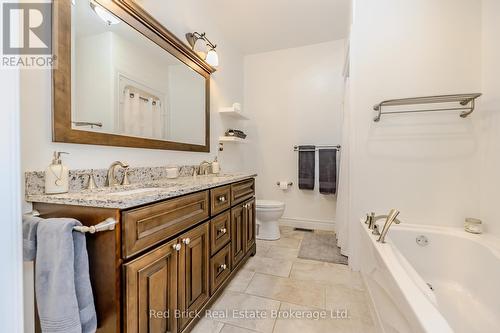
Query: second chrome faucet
{"type": "Point", "coordinates": [111, 179]}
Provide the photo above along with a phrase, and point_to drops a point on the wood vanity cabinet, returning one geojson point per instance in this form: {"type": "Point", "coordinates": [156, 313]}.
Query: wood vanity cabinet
{"type": "Point", "coordinates": [167, 260]}
{"type": "Point", "coordinates": [243, 229]}
{"type": "Point", "coordinates": [152, 284]}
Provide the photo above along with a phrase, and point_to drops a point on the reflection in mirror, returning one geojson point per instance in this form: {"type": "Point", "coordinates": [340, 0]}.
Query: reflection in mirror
{"type": "Point", "coordinates": [123, 83]}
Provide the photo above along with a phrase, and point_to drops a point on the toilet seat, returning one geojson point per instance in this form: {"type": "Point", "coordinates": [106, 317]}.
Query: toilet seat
{"type": "Point", "coordinates": [269, 205]}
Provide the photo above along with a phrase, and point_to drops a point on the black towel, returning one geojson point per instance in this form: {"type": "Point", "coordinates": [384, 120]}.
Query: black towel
{"type": "Point", "coordinates": [307, 165]}
{"type": "Point", "coordinates": [328, 171]}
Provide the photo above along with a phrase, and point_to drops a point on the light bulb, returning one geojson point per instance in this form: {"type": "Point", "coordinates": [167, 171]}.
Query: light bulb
{"type": "Point", "coordinates": [104, 15]}
{"type": "Point", "coordinates": [200, 47]}
{"type": "Point", "coordinates": [212, 58]}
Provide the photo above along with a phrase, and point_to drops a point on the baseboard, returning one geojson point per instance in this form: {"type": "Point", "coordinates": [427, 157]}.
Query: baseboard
{"type": "Point", "coordinates": [308, 224]}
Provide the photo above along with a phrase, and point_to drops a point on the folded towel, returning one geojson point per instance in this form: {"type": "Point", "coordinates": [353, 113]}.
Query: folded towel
{"type": "Point", "coordinates": [328, 171]}
{"type": "Point", "coordinates": [307, 165]}
{"type": "Point", "coordinates": [62, 283]}
{"type": "Point", "coordinates": [30, 225]}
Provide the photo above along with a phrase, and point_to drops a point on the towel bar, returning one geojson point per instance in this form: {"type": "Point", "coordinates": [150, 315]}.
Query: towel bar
{"type": "Point", "coordinates": [108, 224]}
{"type": "Point", "coordinates": [318, 147]}
{"type": "Point", "coordinates": [466, 104]}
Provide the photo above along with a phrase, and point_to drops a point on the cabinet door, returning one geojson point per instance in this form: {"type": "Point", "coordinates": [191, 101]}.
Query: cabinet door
{"type": "Point", "coordinates": [194, 288]}
{"type": "Point", "coordinates": [249, 207]}
{"type": "Point", "coordinates": [237, 234]}
{"type": "Point", "coordinates": [151, 291]}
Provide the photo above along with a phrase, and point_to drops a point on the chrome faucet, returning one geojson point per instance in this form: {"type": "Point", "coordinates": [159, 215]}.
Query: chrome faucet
{"type": "Point", "coordinates": [203, 168]}
{"type": "Point", "coordinates": [391, 218]}
{"type": "Point", "coordinates": [111, 180]}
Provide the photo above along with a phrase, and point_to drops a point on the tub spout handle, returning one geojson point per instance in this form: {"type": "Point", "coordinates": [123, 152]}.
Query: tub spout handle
{"type": "Point", "coordinates": [391, 218]}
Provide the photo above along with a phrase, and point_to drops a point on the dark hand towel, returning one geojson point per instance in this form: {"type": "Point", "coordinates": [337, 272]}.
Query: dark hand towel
{"type": "Point", "coordinates": [62, 284]}
{"type": "Point", "coordinates": [307, 165]}
{"type": "Point", "coordinates": [328, 171]}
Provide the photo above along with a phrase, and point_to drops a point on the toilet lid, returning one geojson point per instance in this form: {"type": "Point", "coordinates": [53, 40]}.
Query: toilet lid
{"type": "Point", "coordinates": [269, 203]}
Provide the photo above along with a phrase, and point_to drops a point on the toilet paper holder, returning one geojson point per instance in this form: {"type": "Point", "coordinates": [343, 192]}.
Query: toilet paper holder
{"type": "Point", "coordinates": [289, 184]}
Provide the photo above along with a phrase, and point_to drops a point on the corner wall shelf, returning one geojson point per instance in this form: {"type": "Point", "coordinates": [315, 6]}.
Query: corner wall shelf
{"type": "Point", "coordinates": [232, 139]}
{"type": "Point", "coordinates": [466, 101]}
{"type": "Point", "coordinates": [233, 113]}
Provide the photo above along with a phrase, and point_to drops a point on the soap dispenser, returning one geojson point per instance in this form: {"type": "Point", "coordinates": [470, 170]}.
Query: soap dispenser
{"type": "Point", "coordinates": [57, 176]}
{"type": "Point", "coordinates": [215, 166]}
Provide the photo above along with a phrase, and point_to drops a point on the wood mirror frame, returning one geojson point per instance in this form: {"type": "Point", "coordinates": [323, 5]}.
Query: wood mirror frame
{"type": "Point", "coordinates": [134, 15]}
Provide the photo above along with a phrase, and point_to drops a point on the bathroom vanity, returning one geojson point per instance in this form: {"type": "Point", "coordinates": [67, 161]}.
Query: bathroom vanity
{"type": "Point", "coordinates": [174, 249]}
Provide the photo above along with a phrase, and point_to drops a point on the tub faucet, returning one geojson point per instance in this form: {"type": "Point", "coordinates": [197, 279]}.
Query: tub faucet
{"type": "Point", "coordinates": [111, 180]}
{"type": "Point", "coordinates": [391, 218]}
{"type": "Point", "coordinates": [372, 220]}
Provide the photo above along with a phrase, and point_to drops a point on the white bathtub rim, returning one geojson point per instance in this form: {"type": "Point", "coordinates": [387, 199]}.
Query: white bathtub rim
{"type": "Point", "coordinates": [489, 241]}
{"type": "Point", "coordinates": [427, 314]}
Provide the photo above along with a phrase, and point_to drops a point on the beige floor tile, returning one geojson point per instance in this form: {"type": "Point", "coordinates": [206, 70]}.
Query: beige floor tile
{"type": "Point", "coordinates": [262, 247]}
{"type": "Point", "coordinates": [278, 252]}
{"type": "Point", "coordinates": [359, 327]}
{"type": "Point", "coordinates": [310, 325]}
{"type": "Point", "coordinates": [234, 329]}
{"type": "Point", "coordinates": [284, 241]}
{"type": "Point", "coordinates": [241, 280]}
{"type": "Point", "coordinates": [325, 273]}
{"type": "Point", "coordinates": [234, 304]}
{"type": "Point", "coordinates": [278, 267]}
{"type": "Point", "coordinates": [289, 232]}
{"type": "Point", "coordinates": [356, 302]}
{"type": "Point", "coordinates": [206, 325]}
{"type": "Point", "coordinates": [287, 290]}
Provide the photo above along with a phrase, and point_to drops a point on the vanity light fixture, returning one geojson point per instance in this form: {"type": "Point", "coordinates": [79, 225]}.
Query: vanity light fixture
{"type": "Point", "coordinates": [104, 14]}
{"type": "Point", "coordinates": [200, 43]}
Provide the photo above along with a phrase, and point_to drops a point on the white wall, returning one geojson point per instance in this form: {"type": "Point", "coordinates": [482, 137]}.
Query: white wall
{"type": "Point", "coordinates": [294, 97]}
{"type": "Point", "coordinates": [490, 117]}
{"type": "Point", "coordinates": [426, 164]}
{"type": "Point", "coordinates": [186, 103]}
{"type": "Point", "coordinates": [93, 77]}
{"type": "Point", "coordinates": [11, 278]}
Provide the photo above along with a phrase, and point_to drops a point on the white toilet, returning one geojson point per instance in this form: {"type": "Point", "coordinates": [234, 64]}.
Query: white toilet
{"type": "Point", "coordinates": [268, 214]}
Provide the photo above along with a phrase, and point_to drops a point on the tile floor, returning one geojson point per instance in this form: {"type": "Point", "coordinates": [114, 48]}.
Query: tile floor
{"type": "Point", "coordinates": [275, 282]}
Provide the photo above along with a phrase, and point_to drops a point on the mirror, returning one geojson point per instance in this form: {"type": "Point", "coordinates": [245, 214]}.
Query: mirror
{"type": "Point", "coordinates": [133, 83]}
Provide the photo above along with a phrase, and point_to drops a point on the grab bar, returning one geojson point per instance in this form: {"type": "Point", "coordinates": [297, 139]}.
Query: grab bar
{"type": "Point", "coordinates": [107, 224]}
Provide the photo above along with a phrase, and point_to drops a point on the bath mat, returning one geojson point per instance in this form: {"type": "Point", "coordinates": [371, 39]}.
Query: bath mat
{"type": "Point", "coordinates": [321, 246]}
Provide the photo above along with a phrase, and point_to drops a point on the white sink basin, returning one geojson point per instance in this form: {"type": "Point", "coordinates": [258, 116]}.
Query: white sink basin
{"type": "Point", "coordinates": [136, 191]}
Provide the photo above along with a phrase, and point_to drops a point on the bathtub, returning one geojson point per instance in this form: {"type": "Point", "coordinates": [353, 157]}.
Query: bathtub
{"type": "Point", "coordinates": [448, 281]}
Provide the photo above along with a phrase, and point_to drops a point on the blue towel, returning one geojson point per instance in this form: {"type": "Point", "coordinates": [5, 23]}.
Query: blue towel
{"type": "Point", "coordinates": [62, 283]}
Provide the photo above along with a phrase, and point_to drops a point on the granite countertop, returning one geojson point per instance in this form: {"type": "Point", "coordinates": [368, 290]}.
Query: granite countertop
{"type": "Point", "coordinates": [129, 196]}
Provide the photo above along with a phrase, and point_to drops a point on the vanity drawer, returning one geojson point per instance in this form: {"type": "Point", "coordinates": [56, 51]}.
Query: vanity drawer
{"type": "Point", "coordinates": [220, 199]}
{"type": "Point", "coordinates": [148, 226]}
{"type": "Point", "coordinates": [242, 191]}
{"type": "Point", "coordinates": [220, 268]}
{"type": "Point", "coordinates": [220, 231]}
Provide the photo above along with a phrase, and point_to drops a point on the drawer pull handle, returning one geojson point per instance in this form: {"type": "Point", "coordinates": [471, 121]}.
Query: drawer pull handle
{"type": "Point", "coordinates": [177, 247]}
{"type": "Point", "coordinates": [186, 241]}
{"type": "Point", "coordinates": [222, 198]}
{"type": "Point", "coordinates": [222, 231]}
{"type": "Point", "coordinates": [223, 267]}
